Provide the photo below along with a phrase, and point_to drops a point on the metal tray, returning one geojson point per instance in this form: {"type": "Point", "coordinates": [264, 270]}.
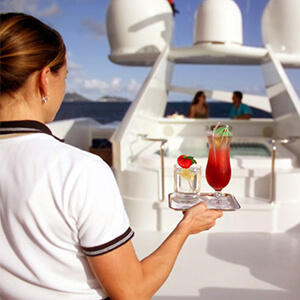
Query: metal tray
{"type": "Point", "coordinates": [179, 202]}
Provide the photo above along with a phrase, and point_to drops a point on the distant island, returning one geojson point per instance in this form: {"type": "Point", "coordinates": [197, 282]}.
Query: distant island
{"type": "Point", "coordinates": [113, 99]}
{"type": "Point", "coordinates": [74, 97]}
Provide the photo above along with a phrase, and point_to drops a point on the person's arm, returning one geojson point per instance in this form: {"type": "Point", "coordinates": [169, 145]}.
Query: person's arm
{"type": "Point", "coordinates": [243, 117]}
{"type": "Point", "coordinates": [245, 112]}
{"type": "Point", "coordinates": [123, 276]}
{"type": "Point", "coordinates": [192, 111]}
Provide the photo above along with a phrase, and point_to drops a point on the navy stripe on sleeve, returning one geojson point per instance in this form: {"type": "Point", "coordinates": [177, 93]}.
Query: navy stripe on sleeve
{"type": "Point", "coordinates": [112, 245]}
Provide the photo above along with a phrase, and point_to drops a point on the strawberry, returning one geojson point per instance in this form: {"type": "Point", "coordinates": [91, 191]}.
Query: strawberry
{"type": "Point", "coordinates": [185, 161]}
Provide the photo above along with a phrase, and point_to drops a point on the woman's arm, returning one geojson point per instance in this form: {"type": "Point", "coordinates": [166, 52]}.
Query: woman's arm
{"type": "Point", "coordinates": [123, 276]}
{"type": "Point", "coordinates": [192, 110]}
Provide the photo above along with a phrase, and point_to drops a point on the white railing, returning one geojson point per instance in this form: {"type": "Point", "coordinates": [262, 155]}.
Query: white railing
{"type": "Point", "coordinates": [273, 143]}
{"type": "Point", "coordinates": [162, 160]}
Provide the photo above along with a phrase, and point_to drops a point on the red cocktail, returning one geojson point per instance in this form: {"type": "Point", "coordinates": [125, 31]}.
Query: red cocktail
{"type": "Point", "coordinates": [218, 170]}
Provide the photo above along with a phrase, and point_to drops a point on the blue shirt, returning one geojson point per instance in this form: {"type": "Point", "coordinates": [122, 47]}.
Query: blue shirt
{"type": "Point", "coordinates": [242, 110]}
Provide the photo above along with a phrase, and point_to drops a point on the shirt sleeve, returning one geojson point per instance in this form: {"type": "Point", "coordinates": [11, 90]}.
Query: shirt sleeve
{"type": "Point", "coordinates": [232, 113]}
{"type": "Point", "coordinates": [102, 221]}
{"type": "Point", "coordinates": [246, 110]}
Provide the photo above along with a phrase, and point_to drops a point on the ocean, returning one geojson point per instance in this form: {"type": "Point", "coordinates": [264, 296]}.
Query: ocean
{"type": "Point", "coordinates": [109, 112]}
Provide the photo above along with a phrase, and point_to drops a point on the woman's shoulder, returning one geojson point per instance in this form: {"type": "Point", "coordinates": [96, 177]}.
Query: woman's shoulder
{"type": "Point", "coordinates": [55, 149]}
{"type": "Point", "coordinates": [74, 151]}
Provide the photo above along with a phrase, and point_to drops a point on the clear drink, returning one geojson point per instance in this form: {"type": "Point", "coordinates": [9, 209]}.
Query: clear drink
{"type": "Point", "coordinates": [187, 181]}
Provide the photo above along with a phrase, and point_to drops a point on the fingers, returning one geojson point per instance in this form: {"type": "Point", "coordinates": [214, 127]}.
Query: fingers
{"type": "Point", "coordinates": [200, 206]}
{"type": "Point", "coordinates": [203, 206]}
{"type": "Point", "coordinates": [219, 213]}
{"type": "Point", "coordinates": [199, 218]}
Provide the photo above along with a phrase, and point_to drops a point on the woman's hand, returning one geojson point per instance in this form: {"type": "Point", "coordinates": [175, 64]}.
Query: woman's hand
{"type": "Point", "coordinates": [198, 218]}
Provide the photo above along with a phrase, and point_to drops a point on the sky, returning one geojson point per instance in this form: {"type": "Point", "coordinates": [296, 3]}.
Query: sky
{"type": "Point", "coordinates": [82, 24]}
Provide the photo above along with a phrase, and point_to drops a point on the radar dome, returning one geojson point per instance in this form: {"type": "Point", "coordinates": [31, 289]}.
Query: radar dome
{"type": "Point", "coordinates": [138, 27]}
{"type": "Point", "coordinates": [218, 21]}
{"type": "Point", "coordinates": [281, 25]}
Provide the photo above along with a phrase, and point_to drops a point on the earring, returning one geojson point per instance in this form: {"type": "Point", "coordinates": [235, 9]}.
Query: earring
{"type": "Point", "coordinates": [45, 98]}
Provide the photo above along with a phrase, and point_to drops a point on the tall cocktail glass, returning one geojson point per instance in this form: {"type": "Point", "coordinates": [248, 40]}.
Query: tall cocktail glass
{"type": "Point", "coordinates": [218, 170]}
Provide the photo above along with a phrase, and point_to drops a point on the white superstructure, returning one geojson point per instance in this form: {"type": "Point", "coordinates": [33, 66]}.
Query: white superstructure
{"type": "Point", "coordinates": [252, 253]}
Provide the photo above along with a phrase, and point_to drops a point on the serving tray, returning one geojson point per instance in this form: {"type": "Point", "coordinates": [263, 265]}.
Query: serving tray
{"type": "Point", "coordinates": [179, 202]}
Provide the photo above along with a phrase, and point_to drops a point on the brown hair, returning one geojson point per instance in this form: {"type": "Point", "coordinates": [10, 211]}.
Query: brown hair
{"type": "Point", "coordinates": [196, 97]}
{"type": "Point", "coordinates": [196, 100]}
{"type": "Point", "coordinates": [27, 45]}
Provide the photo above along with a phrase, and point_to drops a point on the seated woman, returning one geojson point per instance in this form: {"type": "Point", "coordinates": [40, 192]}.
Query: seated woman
{"type": "Point", "coordinates": [199, 107]}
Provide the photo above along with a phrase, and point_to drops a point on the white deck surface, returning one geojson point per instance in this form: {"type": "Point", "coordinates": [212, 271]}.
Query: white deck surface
{"type": "Point", "coordinates": [229, 266]}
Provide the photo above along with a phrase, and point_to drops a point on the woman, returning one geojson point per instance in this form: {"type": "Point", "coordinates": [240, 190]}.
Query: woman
{"type": "Point", "coordinates": [64, 232]}
{"type": "Point", "coordinates": [199, 108]}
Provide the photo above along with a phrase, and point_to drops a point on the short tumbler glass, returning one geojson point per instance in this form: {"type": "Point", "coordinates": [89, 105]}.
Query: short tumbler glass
{"type": "Point", "coordinates": [187, 182]}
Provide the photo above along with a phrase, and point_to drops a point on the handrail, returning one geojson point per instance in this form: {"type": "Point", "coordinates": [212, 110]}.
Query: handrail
{"type": "Point", "coordinates": [162, 160]}
{"type": "Point", "coordinates": [273, 142]}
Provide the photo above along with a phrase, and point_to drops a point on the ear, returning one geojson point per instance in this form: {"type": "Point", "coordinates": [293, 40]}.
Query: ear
{"type": "Point", "coordinates": [43, 81]}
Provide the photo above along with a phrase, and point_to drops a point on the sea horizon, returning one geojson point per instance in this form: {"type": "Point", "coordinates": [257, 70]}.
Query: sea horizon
{"type": "Point", "coordinates": [109, 112]}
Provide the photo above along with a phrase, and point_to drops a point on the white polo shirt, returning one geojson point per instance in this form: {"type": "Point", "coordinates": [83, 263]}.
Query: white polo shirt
{"type": "Point", "coordinates": [57, 204]}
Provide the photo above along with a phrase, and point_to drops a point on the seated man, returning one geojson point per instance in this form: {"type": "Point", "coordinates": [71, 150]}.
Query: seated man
{"type": "Point", "coordinates": [239, 110]}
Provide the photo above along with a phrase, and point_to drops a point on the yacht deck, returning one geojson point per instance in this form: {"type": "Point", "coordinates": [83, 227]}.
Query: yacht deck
{"type": "Point", "coordinates": [229, 266]}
